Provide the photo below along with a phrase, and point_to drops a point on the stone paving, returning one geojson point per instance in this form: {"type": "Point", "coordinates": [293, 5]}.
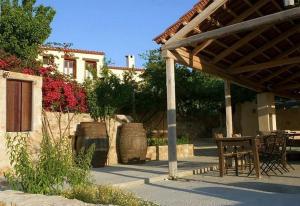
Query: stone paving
{"type": "Point", "coordinates": [211, 190]}
{"type": "Point", "coordinates": [13, 198]}
{"type": "Point", "coordinates": [152, 171]}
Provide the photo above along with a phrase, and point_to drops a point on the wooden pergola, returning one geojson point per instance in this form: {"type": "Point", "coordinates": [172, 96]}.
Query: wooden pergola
{"type": "Point", "coordinates": [252, 43]}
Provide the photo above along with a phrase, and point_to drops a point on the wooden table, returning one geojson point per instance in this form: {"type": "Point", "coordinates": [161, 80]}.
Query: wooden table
{"type": "Point", "coordinates": [292, 142]}
{"type": "Point", "coordinates": [249, 140]}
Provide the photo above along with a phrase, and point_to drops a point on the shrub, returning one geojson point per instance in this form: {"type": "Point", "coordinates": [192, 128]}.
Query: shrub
{"type": "Point", "coordinates": [157, 141]}
{"type": "Point", "coordinates": [60, 93]}
{"type": "Point", "coordinates": [105, 195]}
{"type": "Point", "coordinates": [51, 170]}
{"type": "Point", "coordinates": [161, 141]}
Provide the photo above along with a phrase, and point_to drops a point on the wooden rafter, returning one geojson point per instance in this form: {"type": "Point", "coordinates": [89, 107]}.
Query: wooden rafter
{"type": "Point", "coordinates": [280, 56]}
{"type": "Point", "coordinates": [202, 46]}
{"type": "Point", "coordinates": [266, 46]}
{"type": "Point", "coordinates": [275, 74]}
{"type": "Point", "coordinates": [238, 44]}
{"type": "Point", "coordinates": [239, 27]}
{"type": "Point", "coordinates": [287, 80]}
{"type": "Point", "coordinates": [197, 20]}
{"type": "Point", "coordinates": [266, 65]}
{"type": "Point", "coordinates": [245, 14]}
{"type": "Point", "coordinates": [288, 87]}
{"type": "Point", "coordinates": [185, 58]}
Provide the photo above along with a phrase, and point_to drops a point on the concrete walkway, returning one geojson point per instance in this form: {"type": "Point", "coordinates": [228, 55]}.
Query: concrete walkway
{"type": "Point", "coordinates": [153, 171]}
{"type": "Point", "coordinates": [211, 190]}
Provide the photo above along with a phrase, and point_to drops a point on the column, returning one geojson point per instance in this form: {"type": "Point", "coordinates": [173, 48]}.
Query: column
{"type": "Point", "coordinates": [266, 112]}
{"type": "Point", "coordinates": [229, 127]}
{"type": "Point", "coordinates": [172, 153]}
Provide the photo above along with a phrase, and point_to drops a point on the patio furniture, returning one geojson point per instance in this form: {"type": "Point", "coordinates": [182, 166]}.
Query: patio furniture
{"type": "Point", "coordinates": [243, 146]}
{"type": "Point", "coordinates": [273, 154]}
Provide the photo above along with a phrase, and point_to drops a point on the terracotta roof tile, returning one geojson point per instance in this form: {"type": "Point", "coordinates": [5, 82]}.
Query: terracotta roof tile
{"type": "Point", "coordinates": [126, 68]}
{"type": "Point", "coordinates": [72, 50]}
{"type": "Point", "coordinates": [187, 17]}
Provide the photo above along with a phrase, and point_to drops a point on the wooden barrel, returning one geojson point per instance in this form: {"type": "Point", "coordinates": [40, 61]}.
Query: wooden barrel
{"type": "Point", "coordinates": [133, 143]}
{"type": "Point", "coordinates": [89, 133]}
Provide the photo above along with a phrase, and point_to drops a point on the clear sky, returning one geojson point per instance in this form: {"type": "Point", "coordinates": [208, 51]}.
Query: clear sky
{"type": "Point", "coordinates": [117, 27]}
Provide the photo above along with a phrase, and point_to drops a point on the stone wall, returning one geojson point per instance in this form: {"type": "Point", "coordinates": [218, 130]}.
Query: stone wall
{"type": "Point", "coordinates": [161, 152]}
{"type": "Point", "coordinates": [246, 119]}
{"type": "Point", "coordinates": [35, 137]}
{"type": "Point", "coordinates": [200, 127]}
{"type": "Point", "coordinates": [36, 126]}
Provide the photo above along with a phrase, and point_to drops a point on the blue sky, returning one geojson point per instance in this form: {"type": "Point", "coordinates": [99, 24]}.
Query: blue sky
{"type": "Point", "coordinates": [117, 27]}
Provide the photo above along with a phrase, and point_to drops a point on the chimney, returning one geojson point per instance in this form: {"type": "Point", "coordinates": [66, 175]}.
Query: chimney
{"type": "Point", "coordinates": [130, 61]}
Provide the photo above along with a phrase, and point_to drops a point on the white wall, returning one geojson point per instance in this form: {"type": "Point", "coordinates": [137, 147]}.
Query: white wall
{"type": "Point", "coordinates": [80, 62]}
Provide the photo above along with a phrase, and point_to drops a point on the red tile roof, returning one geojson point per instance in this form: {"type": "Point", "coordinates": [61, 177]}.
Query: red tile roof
{"type": "Point", "coordinates": [126, 68]}
{"type": "Point", "coordinates": [179, 24]}
{"type": "Point", "coordinates": [72, 50]}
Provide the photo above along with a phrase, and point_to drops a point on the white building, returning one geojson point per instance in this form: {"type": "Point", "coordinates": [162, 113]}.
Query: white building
{"type": "Point", "coordinates": [77, 63]}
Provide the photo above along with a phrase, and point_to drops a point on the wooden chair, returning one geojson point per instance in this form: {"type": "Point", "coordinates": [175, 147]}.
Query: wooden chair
{"type": "Point", "coordinates": [235, 152]}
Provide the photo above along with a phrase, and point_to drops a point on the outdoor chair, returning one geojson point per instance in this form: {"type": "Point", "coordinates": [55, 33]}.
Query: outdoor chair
{"type": "Point", "coordinates": [273, 154]}
{"type": "Point", "coordinates": [236, 152]}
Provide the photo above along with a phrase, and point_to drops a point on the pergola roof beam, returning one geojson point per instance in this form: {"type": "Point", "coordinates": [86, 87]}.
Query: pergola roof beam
{"type": "Point", "coordinates": [275, 74]}
{"type": "Point", "coordinates": [268, 45]}
{"type": "Point", "coordinates": [239, 27]}
{"type": "Point", "coordinates": [197, 20]}
{"type": "Point", "coordinates": [202, 46]}
{"type": "Point", "coordinates": [198, 63]}
{"type": "Point", "coordinates": [290, 86]}
{"type": "Point", "coordinates": [286, 80]}
{"type": "Point", "coordinates": [245, 14]}
{"type": "Point", "coordinates": [266, 65]}
{"type": "Point", "coordinates": [238, 44]}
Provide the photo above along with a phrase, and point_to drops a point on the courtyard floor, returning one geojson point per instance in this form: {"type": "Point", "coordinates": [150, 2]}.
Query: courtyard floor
{"type": "Point", "coordinates": [211, 190]}
{"type": "Point", "coordinates": [152, 171]}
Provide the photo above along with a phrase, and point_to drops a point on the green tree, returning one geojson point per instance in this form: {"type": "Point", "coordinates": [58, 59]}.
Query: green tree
{"type": "Point", "coordinates": [197, 93]}
{"type": "Point", "coordinates": [24, 27]}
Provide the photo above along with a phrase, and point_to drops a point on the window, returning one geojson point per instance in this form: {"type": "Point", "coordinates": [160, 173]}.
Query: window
{"type": "Point", "coordinates": [89, 68]}
{"type": "Point", "coordinates": [70, 67]}
{"type": "Point", "coordinates": [18, 106]}
{"type": "Point", "coordinates": [46, 60]}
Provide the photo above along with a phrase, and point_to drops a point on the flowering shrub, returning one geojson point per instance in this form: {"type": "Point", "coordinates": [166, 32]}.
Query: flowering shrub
{"type": "Point", "coordinates": [60, 93]}
{"type": "Point", "coordinates": [9, 62]}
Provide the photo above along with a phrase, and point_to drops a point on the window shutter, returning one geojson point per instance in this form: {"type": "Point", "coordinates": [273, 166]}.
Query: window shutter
{"type": "Point", "coordinates": [13, 109]}
{"type": "Point", "coordinates": [18, 106]}
{"type": "Point", "coordinates": [26, 106]}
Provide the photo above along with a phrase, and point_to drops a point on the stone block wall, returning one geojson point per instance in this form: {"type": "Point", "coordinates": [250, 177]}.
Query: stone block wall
{"type": "Point", "coordinates": [161, 152]}
{"type": "Point", "coordinates": [36, 126]}
{"type": "Point", "coordinates": [246, 119]}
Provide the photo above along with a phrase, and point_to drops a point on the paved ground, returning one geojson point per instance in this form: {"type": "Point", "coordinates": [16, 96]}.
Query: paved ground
{"type": "Point", "coordinates": [211, 190]}
{"type": "Point", "coordinates": [127, 175]}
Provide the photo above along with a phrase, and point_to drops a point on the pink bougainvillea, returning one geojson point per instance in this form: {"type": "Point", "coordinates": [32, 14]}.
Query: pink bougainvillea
{"type": "Point", "coordinates": [60, 93]}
